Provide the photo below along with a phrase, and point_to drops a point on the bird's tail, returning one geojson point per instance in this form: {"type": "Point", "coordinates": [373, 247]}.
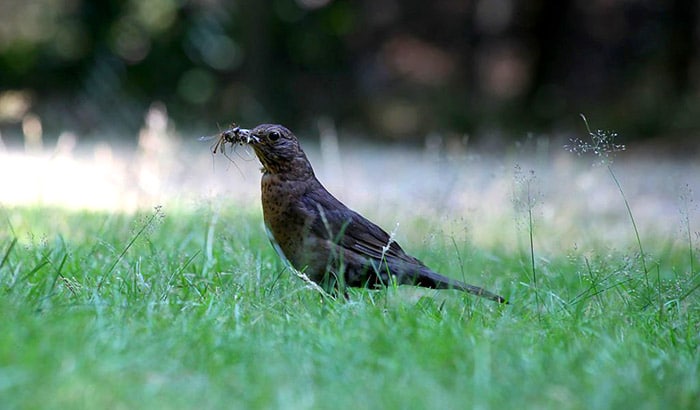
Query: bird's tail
{"type": "Point", "coordinates": [434, 280]}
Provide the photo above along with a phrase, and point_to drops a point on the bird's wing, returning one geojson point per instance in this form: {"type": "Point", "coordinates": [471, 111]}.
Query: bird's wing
{"type": "Point", "coordinates": [349, 229]}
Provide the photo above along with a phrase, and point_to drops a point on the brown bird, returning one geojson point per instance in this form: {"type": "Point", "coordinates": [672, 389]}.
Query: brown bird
{"type": "Point", "coordinates": [320, 236]}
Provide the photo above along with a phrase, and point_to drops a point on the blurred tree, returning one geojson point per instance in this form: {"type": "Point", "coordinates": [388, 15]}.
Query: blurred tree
{"type": "Point", "coordinates": [383, 67]}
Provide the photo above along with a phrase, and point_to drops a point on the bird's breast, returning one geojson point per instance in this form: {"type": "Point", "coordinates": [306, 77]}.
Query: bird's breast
{"type": "Point", "coordinates": [284, 216]}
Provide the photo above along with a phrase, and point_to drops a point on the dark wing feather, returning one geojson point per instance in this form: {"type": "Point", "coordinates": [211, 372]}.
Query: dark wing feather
{"type": "Point", "coordinates": [352, 231]}
{"type": "Point", "coordinates": [349, 229]}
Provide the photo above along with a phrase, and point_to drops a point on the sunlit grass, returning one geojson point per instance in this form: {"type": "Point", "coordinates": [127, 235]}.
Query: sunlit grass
{"type": "Point", "coordinates": [143, 279]}
{"type": "Point", "coordinates": [182, 308]}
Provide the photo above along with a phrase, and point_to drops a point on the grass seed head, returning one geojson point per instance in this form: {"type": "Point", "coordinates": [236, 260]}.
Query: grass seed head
{"type": "Point", "coordinates": [601, 144]}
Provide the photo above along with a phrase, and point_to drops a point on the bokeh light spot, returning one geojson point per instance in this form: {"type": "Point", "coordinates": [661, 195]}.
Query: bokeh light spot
{"type": "Point", "coordinates": [196, 86]}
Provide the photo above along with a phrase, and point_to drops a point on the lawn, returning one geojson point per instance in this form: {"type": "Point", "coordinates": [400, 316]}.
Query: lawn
{"type": "Point", "coordinates": [187, 306]}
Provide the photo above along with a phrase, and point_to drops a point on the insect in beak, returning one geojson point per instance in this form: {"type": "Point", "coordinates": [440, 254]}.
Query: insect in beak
{"type": "Point", "coordinates": [234, 135]}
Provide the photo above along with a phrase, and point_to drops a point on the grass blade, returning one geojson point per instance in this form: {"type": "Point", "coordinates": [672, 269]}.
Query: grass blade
{"type": "Point", "coordinates": [7, 252]}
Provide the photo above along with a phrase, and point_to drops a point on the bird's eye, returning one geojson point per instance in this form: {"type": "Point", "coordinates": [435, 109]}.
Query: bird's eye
{"type": "Point", "coordinates": [274, 136]}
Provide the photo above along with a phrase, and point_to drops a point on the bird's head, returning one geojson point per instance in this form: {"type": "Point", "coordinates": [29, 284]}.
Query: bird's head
{"type": "Point", "coordinates": [278, 150]}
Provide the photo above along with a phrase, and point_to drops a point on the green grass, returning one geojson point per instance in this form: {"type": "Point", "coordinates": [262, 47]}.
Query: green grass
{"type": "Point", "coordinates": [192, 309]}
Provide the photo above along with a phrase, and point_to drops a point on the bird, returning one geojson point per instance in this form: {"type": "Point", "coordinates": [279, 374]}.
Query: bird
{"type": "Point", "coordinates": [318, 235]}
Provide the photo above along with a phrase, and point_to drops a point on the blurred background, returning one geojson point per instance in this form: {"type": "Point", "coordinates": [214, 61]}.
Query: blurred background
{"type": "Point", "coordinates": [494, 70]}
{"type": "Point", "coordinates": [451, 106]}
